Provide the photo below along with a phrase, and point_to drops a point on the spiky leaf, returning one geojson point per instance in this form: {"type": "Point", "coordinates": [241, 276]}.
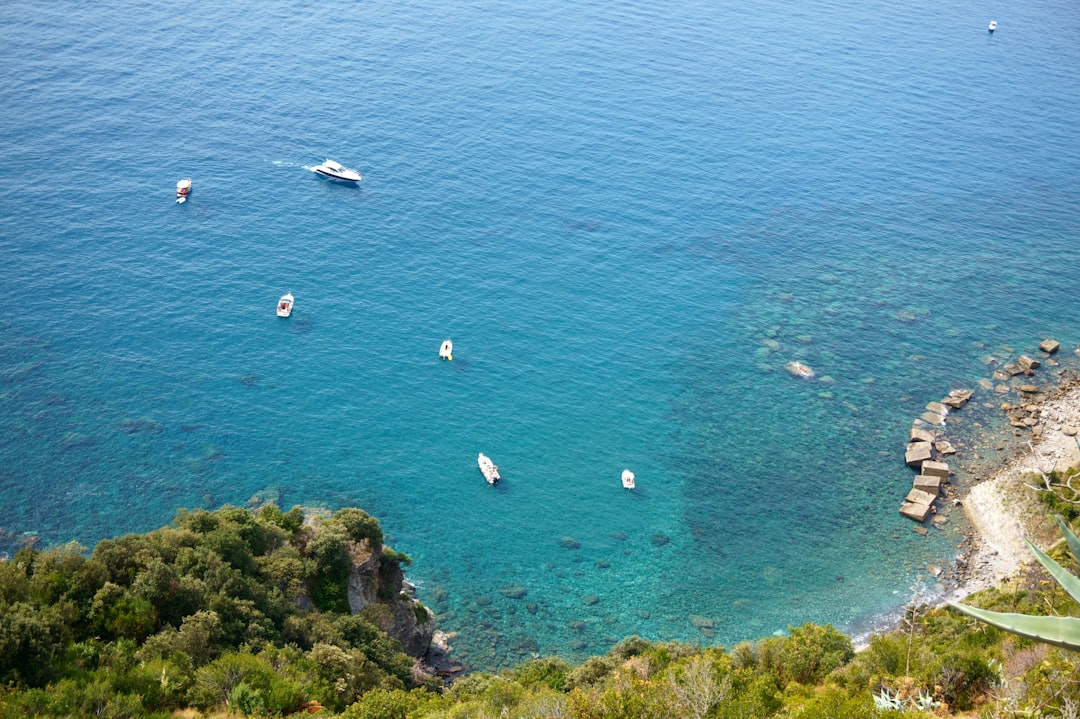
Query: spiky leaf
{"type": "Point", "coordinates": [1070, 582]}
{"type": "Point", "coordinates": [1070, 538]}
{"type": "Point", "coordinates": [1059, 631]}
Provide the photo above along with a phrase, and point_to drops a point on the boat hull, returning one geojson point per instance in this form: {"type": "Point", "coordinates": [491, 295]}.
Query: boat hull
{"type": "Point", "coordinates": [489, 469]}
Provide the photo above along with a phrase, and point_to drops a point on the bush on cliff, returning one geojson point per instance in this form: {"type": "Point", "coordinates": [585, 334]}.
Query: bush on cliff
{"type": "Point", "coordinates": [203, 613]}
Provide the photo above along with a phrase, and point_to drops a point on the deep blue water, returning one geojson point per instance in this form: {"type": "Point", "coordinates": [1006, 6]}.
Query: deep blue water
{"type": "Point", "coordinates": [628, 217]}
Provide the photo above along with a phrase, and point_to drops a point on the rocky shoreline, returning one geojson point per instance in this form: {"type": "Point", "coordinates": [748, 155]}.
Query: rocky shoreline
{"type": "Point", "coordinates": [1001, 503]}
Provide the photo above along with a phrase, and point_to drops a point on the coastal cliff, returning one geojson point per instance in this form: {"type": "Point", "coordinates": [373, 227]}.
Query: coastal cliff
{"type": "Point", "coordinates": [361, 575]}
{"type": "Point", "coordinates": [378, 590]}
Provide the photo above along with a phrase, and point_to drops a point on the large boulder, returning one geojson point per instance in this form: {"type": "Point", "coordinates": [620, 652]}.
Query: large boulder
{"type": "Point", "coordinates": [918, 453]}
{"type": "Point", "coordinates": [918, 512]}
{"type": "Point", "coordinates": [958, 398]}
{"type": "Point", "coordinates": [1049, 346]}
{"type": "Point", "coordinates": [928, 483]}
{"type": "Point", "coordinates": [937, 408]}
{"type": "Point", "coordinates": [920, 435]}
{"type": "Point", "coordinates": [937, 469]}
{"type": "Point", "coordinates": [1027, 364]}
{"type": "Point", "coordinates": [944, 447]}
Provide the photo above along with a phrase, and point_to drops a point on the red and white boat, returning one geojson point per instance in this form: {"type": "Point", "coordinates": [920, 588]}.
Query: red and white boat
{"type": "Point", "coordinates": [183, 189]}
{"type": "Point", "coordinates": [284, 305]}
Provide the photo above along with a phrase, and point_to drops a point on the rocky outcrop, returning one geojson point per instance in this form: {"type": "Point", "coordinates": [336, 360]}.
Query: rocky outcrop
{"type": "Point", "coordinates": [378, 589]}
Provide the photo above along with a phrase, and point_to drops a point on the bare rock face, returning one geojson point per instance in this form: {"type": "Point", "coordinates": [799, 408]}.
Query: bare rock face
{"type": "Point", "coordinates": [364, 579]}
{"type": "Point", "coordinates": [378, 580]}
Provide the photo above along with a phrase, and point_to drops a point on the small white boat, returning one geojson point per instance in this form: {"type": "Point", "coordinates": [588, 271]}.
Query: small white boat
{"type": "Point", "coordinates": [446, 350]}
{"type": "Point", "coordinates": [489, 469]}
{"type": "Point", "coordinates": [992, 26]}
{"type": "Point", "coordinates": [183, 189]}
{"type": "Point", "coordinates": [628, 479]}
{"type": "Point", "coordinates": [284, 305]}
{"type": "Point", "coordinates": [335, 171]}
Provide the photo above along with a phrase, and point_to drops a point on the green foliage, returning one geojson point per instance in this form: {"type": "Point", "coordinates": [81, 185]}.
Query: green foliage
{"type": "Point", "coordinates": [156, 622]}
{"type": "Point", "coordinates": [359, 525]}
{"type": "Point", "coordinates": [812, 651]}
{"type": "Point", "coordinates": [1059, 631]}
{"type": "Point", "coordinates": [1063, 500]}
{"type": "Point", "coordinates": [549, 672]}
{"type": "Point", "coordinates": [390, 704]}
{"type": "Point", "coordinates": [591, 672]}
{"type": "Point", "coordinates": [30, 641]}
{"type": "Point", "coordinates": [204, 613]}
{"type": "Point", "coordinates": [216, 683]}
{"type": "Point", "coordinates": [246, 700]}
{"type": "Point", "coordinates": [330, 581]}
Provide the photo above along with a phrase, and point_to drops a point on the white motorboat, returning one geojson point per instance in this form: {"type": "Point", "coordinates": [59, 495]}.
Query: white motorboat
{"type": "Point", "coordinates": [183, 189]}
{"type": "Point", "coordinates": [446, 350]}
{"type": "Point", "coordinates": [335, 171]}
{"type": "Point", "coordinates": [489, 469]}
{"type": "Point", "coordinates": [992, 26]}
{"type": "Point", "coordinates": [284, 305]}
{"type": "Point", "coordinates": [628, 479]}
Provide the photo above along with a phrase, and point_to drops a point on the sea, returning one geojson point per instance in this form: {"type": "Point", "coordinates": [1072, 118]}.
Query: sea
{"type": "Point", "coordinates": [628, 217]}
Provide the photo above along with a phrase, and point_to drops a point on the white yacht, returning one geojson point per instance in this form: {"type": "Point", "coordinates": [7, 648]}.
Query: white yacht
{"type": "Point", "coordinates": [284, 305]}
{"type": "Point", "coordinates": [628, 479]}
{"type": "Point", "coordinates": [446, 350]}
{"type": "Point", "coordinates": [335, 171]}
{"type": "Point", "coordinates": [992, 26]}
{"type": "Point", "coordinates": [489, 469]}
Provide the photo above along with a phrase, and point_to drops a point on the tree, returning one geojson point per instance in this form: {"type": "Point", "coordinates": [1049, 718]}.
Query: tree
{"type": "Point", "coordinates": [30, 640]}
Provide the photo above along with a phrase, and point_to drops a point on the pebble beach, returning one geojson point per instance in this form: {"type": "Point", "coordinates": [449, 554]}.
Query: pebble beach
{"type": "Point", "coordinates": [1003, 507]}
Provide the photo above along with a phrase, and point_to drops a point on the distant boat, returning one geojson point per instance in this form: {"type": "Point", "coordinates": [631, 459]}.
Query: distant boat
{"type": "Point", "coordinates": [446, 351]}
{"type": "Point", "coordinates": [335, 171]}
{"type": "Point", "coordinates": [489, 469]}
{"type": "Point", "coordinates": [183, 189]}
{"type": "Point", "coordinates": [992, 26]}
{"type": "Point", "coordinates": [284, 305]}
{"type": "Point", "coordinates": [628, 479]}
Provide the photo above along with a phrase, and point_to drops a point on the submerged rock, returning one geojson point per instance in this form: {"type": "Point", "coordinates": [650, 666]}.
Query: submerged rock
{"type": "Point", "coordinates": [570, 543]}
{"type": "Point", "coordinates": [513, 591]}
{"type": "Point", "coordinates": [800, 370]}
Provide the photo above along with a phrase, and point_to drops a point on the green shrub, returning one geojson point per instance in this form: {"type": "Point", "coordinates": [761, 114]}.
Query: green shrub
{"type": "Point", "coordinates": [359, 524]}
{"type": "Point", "coordinates": [384, 704]}
{"type": "Point", "coordinates": [246, 700]}
{"type": "Point", "coordinates": [549, 672]}
{"type": "Point", "coordinates": [591, 672]}
{"type": "Point", "coordinates": [812, 651]}
{"type": "Point", "coordinates": [31, 640]}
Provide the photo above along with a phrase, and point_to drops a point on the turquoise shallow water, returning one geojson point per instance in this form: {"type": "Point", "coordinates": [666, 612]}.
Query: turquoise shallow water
{"type": "Point", "coordinates": [628, 219]}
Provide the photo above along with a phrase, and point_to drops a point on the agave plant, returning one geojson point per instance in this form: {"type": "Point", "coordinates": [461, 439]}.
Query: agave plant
{"type": "Point", "coordinates": [1059, 631]}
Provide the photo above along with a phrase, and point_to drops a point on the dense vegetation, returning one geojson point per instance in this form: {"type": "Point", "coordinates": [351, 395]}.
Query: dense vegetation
{"type": "Point", "coordinates": [204, 618]}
